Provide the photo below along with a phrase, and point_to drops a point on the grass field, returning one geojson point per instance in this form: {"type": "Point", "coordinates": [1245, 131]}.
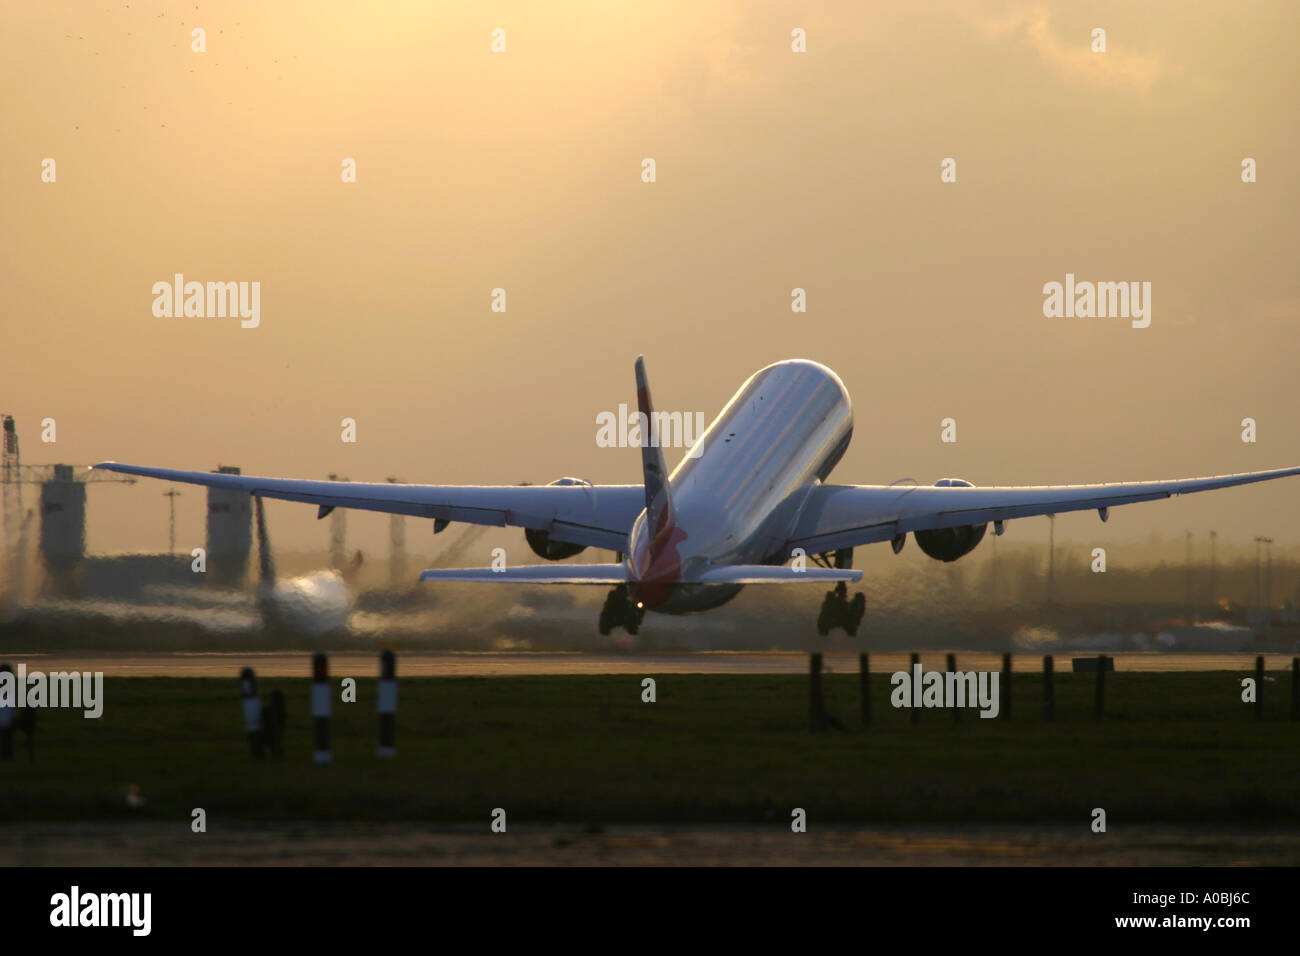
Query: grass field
{"type": "Point", "coordinates": [1174, 747]}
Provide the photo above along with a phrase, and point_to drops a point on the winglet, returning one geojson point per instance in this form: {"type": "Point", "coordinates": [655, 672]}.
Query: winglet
{"type": "Point", "coordinates": [658, 497]}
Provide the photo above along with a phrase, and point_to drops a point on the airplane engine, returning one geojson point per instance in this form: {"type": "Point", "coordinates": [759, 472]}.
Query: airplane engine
{"type": "Point", "coordinates": [540, 541]}
{"type": "Point", "coordinates": [949, 544]}
{"type": "Point", "coordinates": [544, 547]}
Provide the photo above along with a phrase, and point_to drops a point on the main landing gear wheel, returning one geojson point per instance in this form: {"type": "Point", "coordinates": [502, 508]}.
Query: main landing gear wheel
{"type": "Point", "coordinates": [837, 610]}
{"type": "Point", "coordinates": [857, 608]}
{"type": "Point", "coordinates": [619, 611]}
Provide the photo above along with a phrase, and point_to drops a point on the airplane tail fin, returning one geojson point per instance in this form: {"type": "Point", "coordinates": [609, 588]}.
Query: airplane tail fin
{"type": "Point", "coordinates": [658, 494]}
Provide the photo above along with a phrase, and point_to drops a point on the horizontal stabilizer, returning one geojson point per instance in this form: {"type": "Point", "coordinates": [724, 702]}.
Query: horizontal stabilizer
{"type": "Point", "coordinates": [617, 574]}
{"type": "Point", "coordinates": [773, 574]}
{"type": "Point", "coordinates": [535, 574]}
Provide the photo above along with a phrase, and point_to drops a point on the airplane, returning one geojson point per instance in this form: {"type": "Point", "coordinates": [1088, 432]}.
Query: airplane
{"type": "Point", "coordinates": [752, 497]}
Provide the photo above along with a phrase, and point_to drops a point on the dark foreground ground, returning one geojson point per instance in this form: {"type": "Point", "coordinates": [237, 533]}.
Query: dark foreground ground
{"type": "Point", "coordinates": [281, 663]}
{"type": "Point", "coordinates": [411, 844]}
{"type": "Point", "coordinates": [586, 772]}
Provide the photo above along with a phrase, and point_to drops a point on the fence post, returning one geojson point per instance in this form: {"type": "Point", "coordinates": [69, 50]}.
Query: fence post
{"type": "Point", "coordinates": [1006, 686]}
{"type": "Point", "coordinates": [1049, 689]}
{"type": "Point", "coordinates": [7, 721]}
{"type": "Point", "coordinates": [1295, 688]}
{"type": "Point", "coordinates": [916, 704]}
{"type": "Point", "coordinates": [816, 706]}
{"type": "Point", "coordinates": [1098, 701]}
{"type": "Point", "coordinates": [387, 704]}
{"type": "Point", "coordinates": [1259, 687]}
{"type": "Point", "coordinates": [952, 669]}
{"type": "Point", "coordinates": [864, 687]}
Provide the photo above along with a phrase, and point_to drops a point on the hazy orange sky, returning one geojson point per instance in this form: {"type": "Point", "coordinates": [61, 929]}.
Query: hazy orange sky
{"type": "Point", "coordinates": [775, 170]}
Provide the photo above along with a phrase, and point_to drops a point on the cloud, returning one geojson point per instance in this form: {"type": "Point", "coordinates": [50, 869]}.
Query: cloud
{"type": "Point", "coordinates": [1116, 69]}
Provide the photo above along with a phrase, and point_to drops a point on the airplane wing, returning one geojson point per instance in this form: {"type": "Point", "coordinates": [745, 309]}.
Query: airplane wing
{"type": "Point", "coordinates": [590, 515]}
{"type": "Point", "coordinates": [844, 516]}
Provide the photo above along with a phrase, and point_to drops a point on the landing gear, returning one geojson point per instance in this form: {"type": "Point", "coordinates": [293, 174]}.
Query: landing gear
{"type": "Point", "coordinates": [838, 610]}
{"type": "Point", "coordinates": [619, 611]}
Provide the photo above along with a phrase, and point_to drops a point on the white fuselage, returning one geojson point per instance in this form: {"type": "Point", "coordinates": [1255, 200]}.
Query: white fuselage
{"type": "Point", "coordinates": [737, 499]}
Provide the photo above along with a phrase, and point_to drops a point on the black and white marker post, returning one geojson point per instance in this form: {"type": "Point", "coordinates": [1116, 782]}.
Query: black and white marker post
{"type": "Point", "coordinates": [252, 705]}
{"type": "Point", "coordinates": [320, 709]}
{"type": "Point", "coordinates": [387, 705]}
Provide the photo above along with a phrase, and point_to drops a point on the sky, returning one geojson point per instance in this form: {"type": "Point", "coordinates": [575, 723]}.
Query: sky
{"type": "Point", "coordinates": [522, 170]}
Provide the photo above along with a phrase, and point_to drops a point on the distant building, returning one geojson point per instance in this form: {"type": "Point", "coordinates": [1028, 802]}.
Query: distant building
{"type": "Point", "coordinates": [63, 528]}
{"type": "Point", "coordinates": [230, 533]}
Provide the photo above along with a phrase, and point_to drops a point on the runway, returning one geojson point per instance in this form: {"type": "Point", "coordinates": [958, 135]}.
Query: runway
{"type": "Point", "coordinates": [521, 664]}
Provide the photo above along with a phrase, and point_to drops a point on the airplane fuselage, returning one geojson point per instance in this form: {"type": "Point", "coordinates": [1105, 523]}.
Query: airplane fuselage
{"type": "Point", "coordinates": [737, 497]}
